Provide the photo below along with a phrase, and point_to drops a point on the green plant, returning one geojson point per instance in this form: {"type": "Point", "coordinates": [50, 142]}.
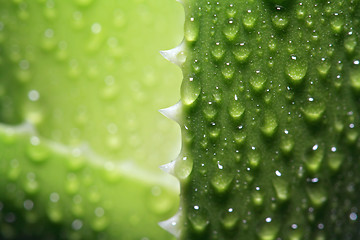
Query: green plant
{"type": "Point", "coordinates": [269, 116]}
{"type": "Point", "coordinates": [81, 139]}
{"type": "Point", "coordinates": [270, 120]}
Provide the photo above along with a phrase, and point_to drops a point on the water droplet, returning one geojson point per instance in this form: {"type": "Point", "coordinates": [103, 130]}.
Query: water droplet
{"type": "Point", "coordinates": [230, 31]}
{"type": "Point", "coordinates": [281, 188]}
{"type": "Point", "coordinates": [313, 111]}
{"type": "Point", "coordinates": [257, 198]}
{"type": "Point", "coordinates": [296, 70]}
{"type": "Point", "coordinates": [258, 81]}
{"type": "Point", "coordinates": [210, 111]}
{"type": "Point", "coordinates": [229, 219]}
{"type": "Point", "coordinates": [236, 110]}
{"type": "Point", "coordinates": [241, 53]}
{"type": "Point", "coordinates": [159, 201]}
{"type": "Point", "coordinates": [28, 204]}
{"type": "Point", "coordinates": [37, 151]}
{"type": "Point", "coordinates": [231, 11]}
{"type": "Point", "coordinates": [270, 125]}
{"type": "Point", "coordinates": [54, 213]}
{"type": "Point", "coordinates": [199, 219]}
{"type": "Point", "coordinates": [214, 131]}
{"type": "Point", "coordinates": [77, 224]}
{"type": "Point", "coordinates": [72, 184]}
{"type": "Point", "coordinates": [249, 20]}
{"type": "Point", "coordinates": [254, 159]}
{"type": "Point", "coordinates": [99, 224]}
{"type": "Point", "coordinates": [323, 68]}
{"type": "Point", "coordinates": [190, 91]}
{"type": "Point", "coordinates": [191, 30]}
{"type": "Point", "coordinates": [337, 24]}
{"type": "Point", "coordinates": [355, 79]}
{"type": "Point", "coordinates": [94, 196]}
{"type": "Point", "coordinates": [317, 195]}
{"type": "Point", "coordinates": [76, 161]}
{"type": "Point", "coordinates": [350, 44]}
{"type": "Point", "coordinates": [48, 42]}
{"type": "Point", "coordinates": [31, 185]}
{"type": "Point", "coordinates": [296, 233]}
{"type": "Point", "coordinates": [287, 145]}
{"type": "Point", "coordinates": [222, 181]}
{"type": "Point", "coordinates": [313, 158]}
{"type": "Point", "coordinates": [279, 21]}
{"type": "Point", "coordinates": [14, 170]}
{"type": "Point", "coordinates": [239, 138]}
{"type": "Point", "coordinates": [268, 231]}
{"type": "Point", "coordinates": [218, 51]}
{"type": "Point", "coordinates": [228, 71]}
{"type": "Point", "coordinates": [183, 168]}
{"type": "Point", "coordinates": [352, 135]}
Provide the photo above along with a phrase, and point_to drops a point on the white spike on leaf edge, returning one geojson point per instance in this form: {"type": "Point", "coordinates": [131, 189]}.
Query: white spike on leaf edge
{"type": "Point", "coordinates": [173, 112]}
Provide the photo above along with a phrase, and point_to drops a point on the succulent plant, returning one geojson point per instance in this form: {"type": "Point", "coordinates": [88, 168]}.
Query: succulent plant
{"type": "Point", "coordinates": [268, 112]}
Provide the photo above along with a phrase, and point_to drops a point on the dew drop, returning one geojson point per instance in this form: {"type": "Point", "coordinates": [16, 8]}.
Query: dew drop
{"type": "Point", "coordinates": [229, 219]}
{"type": "Point", "coordinates": [198, 219]}
{"type": "Point", "coordinates": [214, 131]}
{"type": "Point", "coordinates": [280, 22]}
{"type": "Point", "coordinates": [236, 110]}
{"type": "Point", "coordinates": [239, 138]}
{"type": "Point", "coordinates": [323, 69]}
{"type": "Point", "coordinates": [241, 53]}
{"type": "Point", "coordinates": [31, 185]}
{"type": "Point", "coordinates": [249, 20]}
{"type": "Point", "coordinates": [281, 188]}
{"type": "Point", "coordinates": [190, 91]}
{"type": "Point", "coordinates": [14, 170]}
{"type": "Point", "coordinates": [355, 79]}
{"type": "Point", "coordinates": [218, 51]}
{"type": "Point", "coordinates": [230, 31]}
{"type": "Point", "coordinates": [317, 195]}
{"type": "Point", "coordinates": [183, 168]}
{"type": "Point", "coordinates": [76, 161]}
{"type": "Point", "coordinates": [99, 224]}
{"type": "Point", "coordinates": [54, 213]}
{"type": "Point", "coordinates": [228, 72]}
{"type": "Point", "coordinates": [296, 70]}
{"type": "Point", "coordinates": [191, 30]}
{"type": "Point", "coordinates": [313, 111]}
{"type": "Point", "coordinates": [257, 199]}
{"type": "Point", "coordinates": [314, 158]}
{"type": "Point", "coordinates": [210, 111]}
{"type": "Point", "coordinates": [287, 145]}
{"type": "Point", "coordinates": [270, 125]}
{"type": "Point", "coordinates": [222, 181]}
{"type": "Point", "coordinates": [254, 159]}
{"type": "Point", "coordinates": [72, 184]}
{"type": "Point", "coordinates": [335, 159]}
{"type": "Point", "coordinates": [77, 224]}
{"type": "Point", "coordinates": [28, 204]}
{"type": "Point", "coordinates": [268, 231]}
{"type": "Point", "coordinates": [337, 24]}
{"type": "Point", "coordinates": [37, 151]}
{"type": "Point", "coordinates": [350, 44]}
{"type": "Point", "coordinates": [257, 82]}
{"type": "Point", "coordinates": [111, 173]}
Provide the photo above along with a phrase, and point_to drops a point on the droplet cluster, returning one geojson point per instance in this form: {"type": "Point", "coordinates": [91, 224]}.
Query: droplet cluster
{"type": "Point", "coordinates": [271, 120]}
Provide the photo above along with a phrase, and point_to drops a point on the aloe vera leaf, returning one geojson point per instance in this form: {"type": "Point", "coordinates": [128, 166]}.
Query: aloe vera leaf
{"type": "Point", "coordinates": [270, 125]}
{"type": "Point", "coordinates": [84, 76]}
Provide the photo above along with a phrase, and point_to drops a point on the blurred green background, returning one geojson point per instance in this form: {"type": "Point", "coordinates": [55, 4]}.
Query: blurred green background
{"type": "Point", "coordinates": [80, 136]}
